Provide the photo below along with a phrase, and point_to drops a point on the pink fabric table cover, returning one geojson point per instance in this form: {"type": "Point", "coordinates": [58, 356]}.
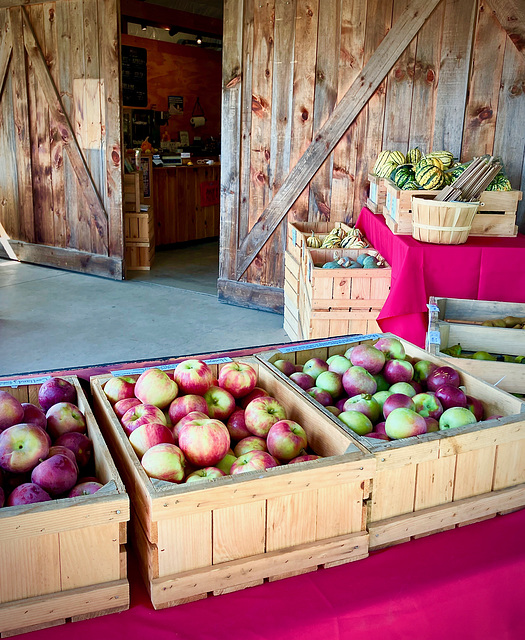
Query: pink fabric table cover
{"type": "Point", "coordinates": [481, 269]}
{"type": "Point", "coordinates": [460, 584]}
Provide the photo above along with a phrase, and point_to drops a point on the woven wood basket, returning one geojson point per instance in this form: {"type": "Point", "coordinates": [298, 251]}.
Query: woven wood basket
{"type": "Point", "coordinates": [442, 222]}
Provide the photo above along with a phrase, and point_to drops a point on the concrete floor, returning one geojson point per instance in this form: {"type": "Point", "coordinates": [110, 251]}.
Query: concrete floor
{"type": "Point", "coordinates": [52, 319]}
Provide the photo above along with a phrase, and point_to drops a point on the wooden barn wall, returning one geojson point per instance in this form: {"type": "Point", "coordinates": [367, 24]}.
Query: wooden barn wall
{"type": "Point", "coordinates": [459, 85]}
{"type": "Point", "coordinates": [60, 168]}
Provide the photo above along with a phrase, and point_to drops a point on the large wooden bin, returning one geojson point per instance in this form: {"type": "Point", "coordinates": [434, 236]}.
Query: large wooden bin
{"type": "Point", "coordinates": [238, 531]}
{"type": "Point", "coordinates": [64, 560]}
{"type": "Point", "coordinates": [320, 302]}
{"type": "Point", "coordinates": [437, 480]}
{"type": "Point", "coordinates": [455, 321]}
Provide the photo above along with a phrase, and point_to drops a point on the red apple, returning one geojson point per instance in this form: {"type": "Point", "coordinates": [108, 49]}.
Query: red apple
{"type": "Point", "coordinates": [380, 427]}
{"type": "Point", "coordinates": [80, 445]}
{"type": "Point", "coordinates": [85, 489]}
{"type": "Point", "coordinates": [193, 415]}
{"type": "Point", "coordinates": [404, 423]}
{"type": "Point", "coordinates": [148, 435]}
{"type": "Point", "coordinates": [338, 364]}
{"type": "Point", "coordinates": [391, 347]}
{"type": "Point", "coordinates": [155, 387]}
{"type": "Point", "coordinates": [403, 387]}
{"type": "Point", "coordinates": [193, 376]}
{"type": "Point", "coordinates": [357, 380]}
{"type": "Point", "coordinates": [253, 461]}
{"type": "Point", "coordinates": [165, 462]}
{"type": "Point", "coordinates": [428, 405]}
{"type": "Point", "coordinates": [303, 380]}
{"type": "Point", "coordinates": [55, 475]}
{"type": "Point", "coordinates": [305, 458]}
{"type": "Point", "coordinates": [256, 393]}
{"type": "Point", "coordinates": [364, 403]}
{"type": "Point", "coordinates": [57, 449]}
{"type": "Point", "coordinates": [398, 371]}
{"type": "Point", "coordinates": [141, 414]}
{"type": "Point", "coordinates": [356, 421]}
{"type": "Point", "coordinates": [204, 441]}
{"type": "Point", "coordinates": [432, 424]}
{"type": "Point", "coordinates": [64, 417]}
{"type": "Point", "coordinates": [451, 396]}
{"type": "Point", "coordinates": [381, 396]}
{"type": "Point", "coordinates": [368, 357]}
{"type": "Point", "coordinates": [221, 403]}
{"type": "Point", "coordinates": [474, 405]}
{"type": "Point", "coordinates": [183, 405]}
{"type": "Point", "coordinates": [285, 439]}
{"type": "Point", "coordinates": [11, 411]}
{"type": "Point", "coordinates": [456, 417]}
{"type": "Point", "coordinates": [314, 367]}
{"type": "Point", "coordinates": [261, 414]}
{"type": "Point", "coordinates": [333, 409]}
{"type": "Point", "coordinates": [56, 390]}
{"type": "Point", "coordinates": [397, 401]}
{"type": "Point", "coordinates": [237, 425]}
{"type": "Point", "coordinates": [34, 415]}
{"type": "Point", "coordinates": [238, 378]}
{"type": "Point", "coordinates": [208, 473]}
{"type": "Point", "coordinates": [322, 397]}
{"type": "Point", "coordinates": [250, 443]}
{"type": "Point", "coordinates": [331, 382]}
{"type": "Point", "coordinates": [285, 366]}
{"type": "Point", "coordinates": [22, 446]}
{"type": "Point", "coordinates": [422, 369]}
{"type": "Point", "coordinates": [441, 376]}
{"type": "Point", "coordinates": [377, 435]}
{"type": "Point", "coordinates": [122, 406]}
{"type": "Point", "coordinates": [27, 493]}
{"type": "Point", "coordinates": [119, 388]}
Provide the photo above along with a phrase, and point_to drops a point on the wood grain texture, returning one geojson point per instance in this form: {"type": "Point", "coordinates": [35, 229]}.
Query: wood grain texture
{"type": "Point", "coordinates": [511, 16]}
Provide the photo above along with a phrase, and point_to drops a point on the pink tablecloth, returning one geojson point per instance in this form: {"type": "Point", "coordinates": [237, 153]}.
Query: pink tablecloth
{"type": "Point", "coordinates": [462, 583]}
{"type": "Point", "coordinates": [480, 269]}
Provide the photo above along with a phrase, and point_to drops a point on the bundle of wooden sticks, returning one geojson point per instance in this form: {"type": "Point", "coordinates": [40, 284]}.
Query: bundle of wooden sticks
{"type": "Point", "coordinates": [469, 186]}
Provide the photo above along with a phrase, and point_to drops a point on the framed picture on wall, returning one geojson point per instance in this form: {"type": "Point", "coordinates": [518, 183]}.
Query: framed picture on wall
{"type": "Point", "coordinates": [176, 105]}
{"type": "Point", "coordinates": [184, 138]}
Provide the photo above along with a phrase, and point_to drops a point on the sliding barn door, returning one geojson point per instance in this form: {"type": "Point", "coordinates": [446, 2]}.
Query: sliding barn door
{"type": "Point", "coordinates": [60, 152]}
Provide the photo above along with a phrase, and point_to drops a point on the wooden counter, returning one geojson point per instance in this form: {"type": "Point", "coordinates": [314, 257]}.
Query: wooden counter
{"type": "Point", "coordinates": [186, 203]}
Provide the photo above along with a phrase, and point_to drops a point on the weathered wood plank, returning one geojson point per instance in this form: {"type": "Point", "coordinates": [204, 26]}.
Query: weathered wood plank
{"type": "Point", "coordinates": [22, 129]}
{"type": "Point", "coordinates": [232, 86]}
{"type": "Point", "coordinates": [343, 115]}
{"type": "Point", "coordinates": [511, 16]}
{"type": "Point", "coordinates": [251, 296]}
{"type": "Point", "coordinates": [487, 65]}
{"type": "Point", "coordinates": [6, 47]}
{"type": "Point", "coordinates": [456, 50]}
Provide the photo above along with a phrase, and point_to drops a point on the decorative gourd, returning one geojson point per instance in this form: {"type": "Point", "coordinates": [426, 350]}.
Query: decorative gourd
{"type": "Point", "coordinates": [429, 177]}
{"type": "Point", "coordinates": [446, 157]}
{"type": "Point", "coordinates": [500, 183]}
{"type": "Point", "coordinates": [313, 241]}
{"type": "Point", "coordinates": [331, 265]}
{"type": "Point", "coordinates": [386, 162]}
{"type": "Point", "coordinates": [331, 242]}
{"type": "Point", "coordinates": [430, 160]}
{"type": "Point", "coordinates": [414, 155]}
{"type": "Point", "coordinates": [398, 157]}
{"type": "Point", "coordinates": [402, 175]}
{"type": "Point", "coordinates": [411, 185]}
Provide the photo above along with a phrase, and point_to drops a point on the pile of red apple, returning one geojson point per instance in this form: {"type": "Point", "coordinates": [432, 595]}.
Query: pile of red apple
{"type": "Point", "coordinates": [45, 452]}
{"type": "Point", "coordinates": [379, 392]}
{"type": "Point", "coordinates": [187, 426]}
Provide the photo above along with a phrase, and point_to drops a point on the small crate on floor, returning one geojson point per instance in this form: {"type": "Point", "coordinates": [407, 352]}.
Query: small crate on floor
{"type": "Point", "coordinates": [222, 535]}
{"type": "Point", "coordinates": [332, 302]}
{"type": "Point", "coordinates": [496, 215]}
{"type": "Point", "coordinates": [64, 560]}
{"type": "Point", "coordinates": [455, 321]}
{"type": "Point", "coordinates": [139, 256]}
{"type": "Point", "coordinates": [437, 480]}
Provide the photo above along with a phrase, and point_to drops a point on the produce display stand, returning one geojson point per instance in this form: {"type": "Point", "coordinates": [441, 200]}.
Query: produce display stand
{"type": "Point", "coordinates": [496, 215]}
{"type": "Point", "coordinates": [456, 321]}
{"type": "Point", "coordinates": [329, 302]}
{"type": "Point", "coordinates": [377, 194]}
{"type": "Point", "coordinates": [438, 480]}
{"type": "Point", "coordinates": [64, 560]}
{"type": "Point", "coordinates": [239, 531]}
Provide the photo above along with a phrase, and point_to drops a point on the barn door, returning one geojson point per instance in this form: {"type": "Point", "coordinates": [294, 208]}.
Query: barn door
{"type": "Point", "coordinates": [60, 155]}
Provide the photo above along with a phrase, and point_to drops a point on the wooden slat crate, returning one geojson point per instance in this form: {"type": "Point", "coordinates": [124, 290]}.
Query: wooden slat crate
{"type": "Point", "coordinates": [238, 531]}
{"type": "Point", "coordinates": [455, 321]}
{"type": "Point", "coordinates": [64, 560]}
{"type": "Point", "coordinates": [332, 302]}
{"type": "Point", "coordinates": [438, 480]}
{"type": "Point", "coordinates": [139, 227]}
{"type": "Point", "coordinates": [139, 256]}
{"type": "Point", "coordinates": [133, 191]}
{"type": "Point", "coordinates": [377, 194]}
{"type": "Point", "coordinates": [292, 294]}
{"type": "Point", "coordinates": [496, 215]}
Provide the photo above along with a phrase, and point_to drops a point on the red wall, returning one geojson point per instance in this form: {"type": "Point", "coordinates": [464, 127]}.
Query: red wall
{"type": "Point", "coordinates": [177, 70]}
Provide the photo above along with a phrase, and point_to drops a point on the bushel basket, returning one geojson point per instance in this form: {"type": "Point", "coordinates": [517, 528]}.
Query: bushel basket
{"type": "Point", "coordinates": [442, 222]}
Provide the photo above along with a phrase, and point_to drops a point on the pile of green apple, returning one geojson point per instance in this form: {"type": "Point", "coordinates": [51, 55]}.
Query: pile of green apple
{"type": "Point", "coordinates": [45, 452]}
{"type": "Point", "coordinates": [187, 426]}
{"type": "Point", "coordinates": [378, 392]}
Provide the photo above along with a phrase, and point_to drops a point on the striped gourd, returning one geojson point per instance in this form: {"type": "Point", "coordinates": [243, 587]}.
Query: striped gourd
{"type": "Point", "coordinates": [446, 157]}
{"type": "Point", "coordinates": [500, 183]}
{"type": "Point", "coordinates": [429, 177]}
{"type": "Point", "coordinates": [386, 162]}
{"type": "Point", "coordinates": [414, 155]}
{"type": "Point", "coordinates": [430, 160]}
{"type": "Point", "coordinates": [382, 159]}
{"type": "Point", "coordinates": [411, 185]}
{"type": "Point", "coordinates": [398, 157]}
{"type": "Point", "coordinates": [386, 169]}
{"type": "Point", "coordinates": [402, 174]}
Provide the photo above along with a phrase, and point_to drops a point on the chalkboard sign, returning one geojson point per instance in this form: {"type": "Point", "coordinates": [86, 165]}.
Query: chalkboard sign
{"type": "Point", "coordinates": [134, 77]}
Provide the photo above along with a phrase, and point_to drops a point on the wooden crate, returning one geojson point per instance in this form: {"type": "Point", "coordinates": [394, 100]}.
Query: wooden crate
{"type": "Point", "coordinates": [292, 295]}
{"type": "Point", "coordinates": [139, 227]}
{"type": "Point", "coordinates": [455, 321]}
{"type": "Point", "coordinates": [64, 560]}
{"type": "Point", "coordinates": [440, 480]}
{"type": "Point", "coordinates": [332, 302]}
{"type": "Point", "coordinates": [377, 194]}
{"type": "Point", "coordinates": [139, 256]}
{"type": "Point", "coordinates": [496, 215]}
{"type": "Point", "coordinates": [133, 191]}
{"type": "Point", "coordinates": [238, 531]}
